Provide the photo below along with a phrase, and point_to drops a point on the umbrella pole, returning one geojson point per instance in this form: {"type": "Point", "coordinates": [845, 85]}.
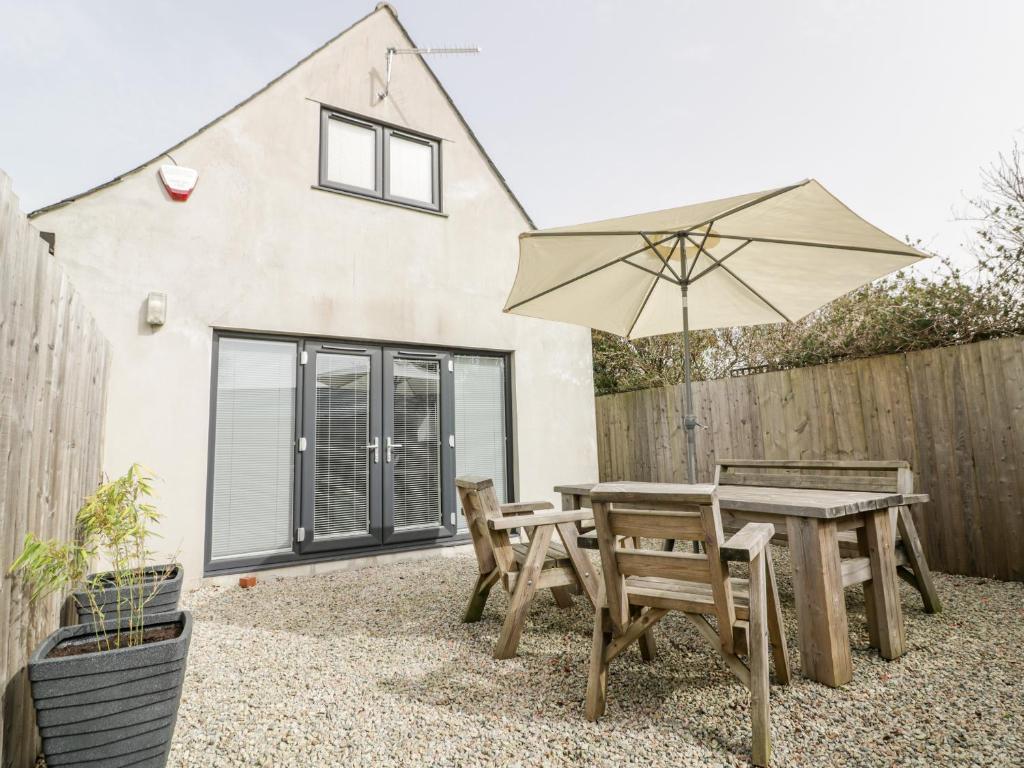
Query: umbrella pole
{"type": "Point", "coordinates": [690, 420]}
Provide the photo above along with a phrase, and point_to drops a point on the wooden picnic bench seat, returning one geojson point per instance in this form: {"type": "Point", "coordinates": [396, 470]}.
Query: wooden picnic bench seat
{"type": "Point", "coordinates": [643, 585]}
{"type": "Point", "coordinates": [845, 475]}
{"type": "Point", "coordinates": [554, 557]}
{"type": "Point", "coordinates": [522, 567]}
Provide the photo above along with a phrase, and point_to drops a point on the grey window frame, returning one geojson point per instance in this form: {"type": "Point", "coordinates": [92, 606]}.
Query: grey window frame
{"type": "Point", "coordinates": [378, 160]}
{"type": "Point", "coordinates": [226, 566]}
{"type": "Point", "coordinates": [383, 132]}
{"type": "Point", "coordinates": [435, 147]}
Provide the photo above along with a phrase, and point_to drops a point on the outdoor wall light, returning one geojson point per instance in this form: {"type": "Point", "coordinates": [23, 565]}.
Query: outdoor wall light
{"type": "Point", "coordinates": [156, 308]}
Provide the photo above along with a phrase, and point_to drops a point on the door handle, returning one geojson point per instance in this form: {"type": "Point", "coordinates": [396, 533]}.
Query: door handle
{"type": "Point", "coordinates": [375, 447]}
{"type": "Point", "coordinates": [389, 447]}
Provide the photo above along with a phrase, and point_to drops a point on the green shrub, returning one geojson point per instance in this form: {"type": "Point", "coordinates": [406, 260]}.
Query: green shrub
{"type": "Point", "coordinates": [115, 524]}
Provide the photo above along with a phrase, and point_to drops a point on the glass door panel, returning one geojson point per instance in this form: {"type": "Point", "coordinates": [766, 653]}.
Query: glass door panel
{"type": "Point", "coordinates": [417, 446]}
{"type": "Point", "coordinates": [341, 464]}
{"type": "Point", "coordinates": [254, 449]}
{"type": "Point", "coordinates": [480, 422]}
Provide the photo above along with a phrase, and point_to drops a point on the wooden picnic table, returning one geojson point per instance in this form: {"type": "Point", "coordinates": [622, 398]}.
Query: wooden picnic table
{"type": "Point", "coordinates": [812, 519]}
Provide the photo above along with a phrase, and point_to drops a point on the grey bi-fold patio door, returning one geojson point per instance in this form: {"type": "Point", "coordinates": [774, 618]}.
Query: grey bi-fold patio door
{"type": "Point", "coordinates": [376, 447]}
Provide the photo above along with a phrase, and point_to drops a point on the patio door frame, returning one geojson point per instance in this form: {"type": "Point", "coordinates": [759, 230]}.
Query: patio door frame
{"type": "Point", "coordinates": [308, 542]}
{"type": "Point", "coordinates": [446, 446]}
{"type": "Point", "coordinates": [308, 550]}
{"type": "Point", "coordinates": [382, 463]}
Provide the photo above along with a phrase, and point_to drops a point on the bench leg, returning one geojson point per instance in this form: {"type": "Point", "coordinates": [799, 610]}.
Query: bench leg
{"type": "Point", "coordinates": [757, 643]}
{"type": "Point", "coordinates": [820, 604]}
{"type": "Point", "coordinates": [597, 679]}
{"type": "Point", "coordinates": [589, 584]}
{"type": "Point", "coordinates": [917, 562]}
{"type": "Point", "coordinates": [522, 594]}
{"type": "Point", "coordinates": [648, 646]}
{"type": "Point", "coordinates": [563, 597]}
{"type": "Point", "coordinates": [869, 595]}
{"type": "Point", "coordinates": [776, 635]}
{"type": "Point", "coordinates": [478, 599]}
{"type": "Point", "coordinates": [885, 585]}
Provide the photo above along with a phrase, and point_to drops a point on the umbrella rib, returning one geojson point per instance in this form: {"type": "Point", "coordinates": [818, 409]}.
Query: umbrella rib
{"type": "Point", "coordinates": [651, 271]}
{"type": "Point", "coordinates": [718, 262]}
{"type": "Point", "coordinates": [809, 244]}
{"type": "Point", "coordinates": [664, 261]}
{"type": "Point", "coordinates": [770, 240]}
{"type": "Point", "coordinates": [588, 273]}
{"type": "Point", "coordinates": [700, 250]}
{"type": "Point", "coordinates": [746, 285]}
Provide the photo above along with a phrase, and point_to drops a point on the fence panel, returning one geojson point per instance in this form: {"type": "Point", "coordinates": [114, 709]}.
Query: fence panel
{"type": "Point", "coordinates": [53, 382]}
{"type": "Point", "coordinates": [956, 413]}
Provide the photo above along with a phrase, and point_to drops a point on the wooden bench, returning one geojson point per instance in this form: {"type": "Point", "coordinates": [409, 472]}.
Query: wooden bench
{"type": "Point", "coordinates": [643, 585]}
{"type": "Point", "coordinates": [522, 568]}
{"type": "Point", "coordinates": [874, 476]}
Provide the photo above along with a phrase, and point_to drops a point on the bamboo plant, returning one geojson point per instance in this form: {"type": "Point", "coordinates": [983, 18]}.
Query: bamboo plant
{"type": "Point", "coordinates": [114, 524]}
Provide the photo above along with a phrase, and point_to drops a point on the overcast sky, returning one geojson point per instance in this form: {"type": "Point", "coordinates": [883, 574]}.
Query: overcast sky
{"type": "Point", "coordinates": [590, 109]}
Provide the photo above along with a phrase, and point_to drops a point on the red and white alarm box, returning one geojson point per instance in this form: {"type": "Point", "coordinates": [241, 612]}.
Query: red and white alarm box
{"type": "Point", "coordinates": [178, 180]}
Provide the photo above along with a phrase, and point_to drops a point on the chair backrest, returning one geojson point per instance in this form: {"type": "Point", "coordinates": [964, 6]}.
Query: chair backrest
{"type": "Point", "coordinates": [839, 475]}
{"type": "Point", "coordinates": [623, 511]}
{"type": "Point", "coordinates": [480, 504]}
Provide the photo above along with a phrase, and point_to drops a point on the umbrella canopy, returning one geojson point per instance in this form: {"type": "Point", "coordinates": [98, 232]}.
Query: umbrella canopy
{"type": "Point", "coordinates": [765, 257]}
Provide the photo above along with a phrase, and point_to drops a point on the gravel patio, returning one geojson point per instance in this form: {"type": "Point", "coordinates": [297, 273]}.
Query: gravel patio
{"type": "Point", "coordinates": [374, 668]}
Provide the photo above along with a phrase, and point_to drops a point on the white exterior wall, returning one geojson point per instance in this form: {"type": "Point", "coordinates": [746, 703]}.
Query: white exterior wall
{"type": "Point", "coordinates": [257, 248]}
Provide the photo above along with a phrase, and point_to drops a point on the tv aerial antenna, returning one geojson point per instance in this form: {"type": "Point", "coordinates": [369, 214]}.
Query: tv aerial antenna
{"type": "Point", "coordinates": [392, 52]}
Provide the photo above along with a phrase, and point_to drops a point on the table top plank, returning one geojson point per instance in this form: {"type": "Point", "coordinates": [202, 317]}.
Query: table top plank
{"type": "Point", "coordinates": [792, 502]}
{"type": "Point", "coordinates": [575, 489]}
{"type": "Point", "coordinates": [653, 492]}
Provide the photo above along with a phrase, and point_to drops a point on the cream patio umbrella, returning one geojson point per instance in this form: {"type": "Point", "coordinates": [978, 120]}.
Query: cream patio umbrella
{"type": "Point", "coordinates": [764, 257]}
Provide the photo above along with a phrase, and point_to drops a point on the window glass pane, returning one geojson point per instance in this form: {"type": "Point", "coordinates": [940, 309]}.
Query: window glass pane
{"type": "Point", "coordinates": [480, 420]}
{"type": "Point", "coordinates": [410, 169]}
{"type": "Point", "coordinates": [417, 463]}
{"type": "Point", "coordinates": [341, 477]}
{"type": "Point", "coordinates": [351, 154]}
{"type": "Point", "coordinates": [254, 448]}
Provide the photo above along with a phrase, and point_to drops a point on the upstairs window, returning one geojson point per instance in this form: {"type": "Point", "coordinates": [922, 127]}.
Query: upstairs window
{"type": "Point", "coordinates": [377, 161]}
{"type": "Point", "coordinates": [353, 156]}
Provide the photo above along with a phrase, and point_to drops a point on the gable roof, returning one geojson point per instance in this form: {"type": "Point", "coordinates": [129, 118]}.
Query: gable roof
{"type": "Point", "coordinates": [381, 6]}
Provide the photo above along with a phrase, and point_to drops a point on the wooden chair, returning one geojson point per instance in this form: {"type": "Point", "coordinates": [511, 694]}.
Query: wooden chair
{"type": "Point", "coordinates": [642, 586]}
{"type": "Point", "coordinates": [522, 568]}
{"type": "Point", "coordinates": [844, 475]}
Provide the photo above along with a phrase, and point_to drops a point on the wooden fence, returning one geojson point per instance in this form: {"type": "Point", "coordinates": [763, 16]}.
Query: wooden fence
{"type": "Point", "coordinates": [956, 413]}
{"type": "Point", "coordinates": [53, 381]}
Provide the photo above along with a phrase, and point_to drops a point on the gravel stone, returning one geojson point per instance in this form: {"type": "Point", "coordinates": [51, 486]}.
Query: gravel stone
{"type": "Point", "coordinates": [375, 668]}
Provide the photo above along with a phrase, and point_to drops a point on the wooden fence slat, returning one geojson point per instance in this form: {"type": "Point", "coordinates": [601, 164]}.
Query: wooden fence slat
{"type": "Point", "coordinates": [1012, 367]}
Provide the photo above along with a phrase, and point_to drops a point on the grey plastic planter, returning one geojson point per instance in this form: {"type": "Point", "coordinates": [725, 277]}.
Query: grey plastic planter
{"type": "Point", "coordinates": [110, 708]}
{"type": "Point", "coordinates": [165, 598]}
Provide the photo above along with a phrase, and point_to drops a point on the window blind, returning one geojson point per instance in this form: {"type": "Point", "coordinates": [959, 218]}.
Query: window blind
{"type": "Point", "coordinates": [417, 464]}
{"type": "Point", "coordinates": [352, 154]}
{"type": "Point", "coordinates": [410, 169]}
{"type": "Point", "coordinates": [480, 421]}
{"type": "Point", "coordinates": [254, 448]}
{"type": "Point", "coordinates": [341, 493]}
